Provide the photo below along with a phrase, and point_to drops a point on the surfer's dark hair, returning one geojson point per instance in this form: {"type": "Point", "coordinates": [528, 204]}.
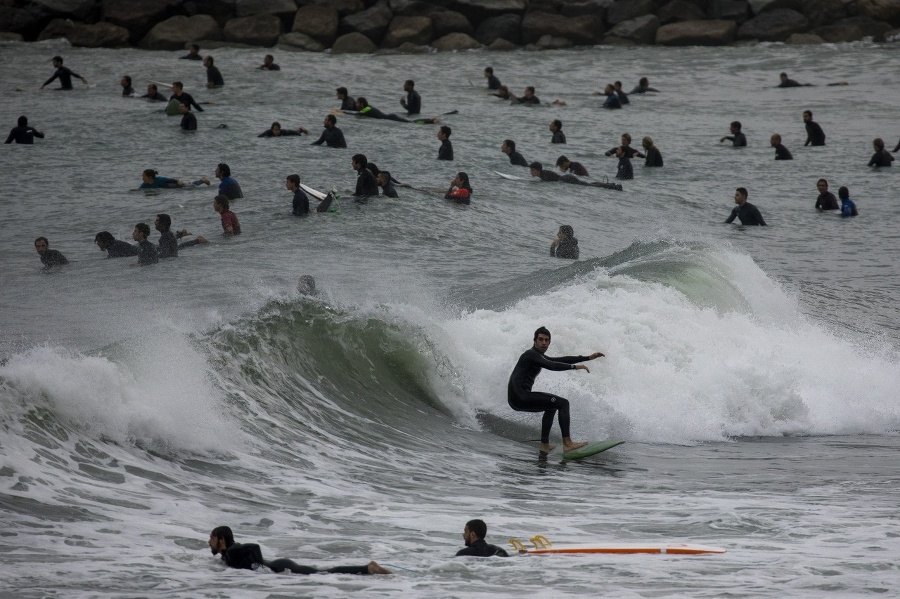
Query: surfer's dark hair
{"type": "Point", "coordinates": [223, 201]}
{"type": "Point", "coordinates": [360, 159]}
{"type": "Point", "coordinates": [331, 119]}
{"type": "Point", "coordinates": [225, 169]}
{"type": "Point", "coordinates": [165, 220]}
{"type": "Point", "coordinates": [541, 331]}
{"type": "Point", "coordinates": [224, 533]}
{"type": "Point", "coordinates": [144, 228]}
{"type": "Point", "coordinates": [537, 166]}
{"type": "Point", "coordinates": [295, 179]}
{"type": "Point", "coordinates": [478, 527]}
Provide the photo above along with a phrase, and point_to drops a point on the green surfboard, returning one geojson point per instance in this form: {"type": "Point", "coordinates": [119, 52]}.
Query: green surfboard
{"type": "Point", "coordinates": [590, 449]}
{"type": "Point", "coordinates": [172, 107]}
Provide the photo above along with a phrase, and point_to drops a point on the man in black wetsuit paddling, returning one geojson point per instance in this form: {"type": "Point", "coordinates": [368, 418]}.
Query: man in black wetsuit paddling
{"type": "Point", "coordinates": [473, 535]}
{"type": "Point", "coordinates": [247, 556]}
{"type": "Point", "coordinates": [522, 399]}
{"type": "Point", "coordinates": [746, 212]}
{"type": "Point", "coordinates": [64, 74]}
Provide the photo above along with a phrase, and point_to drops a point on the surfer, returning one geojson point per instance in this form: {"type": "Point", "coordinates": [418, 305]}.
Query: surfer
{"type": "Point", "coordinates": [788, 82]}
{"type": "Point", "coordinates": [247, 556]}
{"type": "Point", "coordinates": [127, 90]}
{"type": "Point", "coordinates": [612, 98]}
{"type": "Point", "coordinates": [383, 179]}
{"type": "Point", "coordinates": [153, 94]}
{"type": "Point", "coordinates": [473, 535]}
{"type": "Point", "coordinates": [412, 103]}
{"type": "Point", "coordinates": [331, 136]}
{"type": "Point", "coordinates": [654, 156]}
{"type": "Point", "coordinates": [565, 245]}
{"type": "Point", "coordinates": [269, 64]}
{"type": "Point", "coordinates": [228, 185]}
{"type": "Point", "coordinates": [147, 252]}
{"type": "Point", "coordinates": [492, 82]}
{"type": "Point", "coordinates": [522, 399]}
{"type": "Point", "coordinates": [49, 258]}
{"type": "Point", "coordinates": [881, 157]}
{"type": "Point", "coordinates": [188, 120]}
{"type": "Point", "coordinates": [625, 148]}
{"type": "Point", "coordinates": [814, 134]}
{"type": "Point", "coordinates": [114, 248]}
{"type": "Point", "coordinates": [537, 170]}
{"type": "Point", "coordinates": [781, 152]}
{"type": "Point", "coordinates": [826, 199]}
{"type": "Point", "coordinates": [300, 204]}
{"type": "Point", "coordinates": [737, 138]}
{"type": "Point", "coordinates": [22, 133]}
{"type": "Point", "coordinates": [567, 166]}
{"type": "Point", "coordinates": [365, 110]}
{"type": "Point", "coordinates": [168, 243]}
{"type": "Point", "coordinates": [64, 74]}
{"type": "Point", "coordinates": [643, 87]}
{"type": "Point", "coordinates": [460, 189]}
{"type": "Point", "coordinates": [623, 97]}
{"type": "Point", "coordinates": [528, 97]}
{"type": "Point", "coordinates": [556, 129]}
{"type": "Point", "coordinates": [365, 180]}
{"type": "Point", "coordinates": [213, 76]}
{"type": "Point", "coordinates": [276, 131]}
{"type": "Point", "coordinates": [445, 152]}
{"type": "Point", "coordinates": [230, 224]}
{"type": "Point", "coordinates": [848, 206]}
{"type": "Point", "coordinates": [347, 102]}
{"type": "Point", "coordinates": [152, 180]}
{"type": "Point", "coordinates": [746, 212]}
{"type": "Point", "coordinates": [503, 93]}
{"type": "Point", "coordinates": [193, 53]}
{"type": "Point", "coordinates": [508, 147]}
{"type": "Point", "coordinates": [182, 96]}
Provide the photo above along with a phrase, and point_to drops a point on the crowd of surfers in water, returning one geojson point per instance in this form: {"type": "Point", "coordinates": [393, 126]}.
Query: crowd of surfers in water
{"type": "Point", "coordinates": [372, 181]}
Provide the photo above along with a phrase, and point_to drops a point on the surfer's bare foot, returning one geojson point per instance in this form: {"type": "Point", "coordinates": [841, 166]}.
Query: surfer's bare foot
{"type": "Point", "coordinates": [546, 447]}
{"type": "Point", "coordinates": [374, 568]}
{"type": "Point", "coordinates": [573, 445]}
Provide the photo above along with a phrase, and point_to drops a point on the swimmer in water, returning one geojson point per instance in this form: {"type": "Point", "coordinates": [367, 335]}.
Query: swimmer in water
{"type": "Point", "coordinates": [788, 82]}
{"type": "Point", "coordinates": [331, 136]}
{"type": "Point", "coordinates": [64, 74]}
{"type": "Point", "coordinates": [473, 535]}
{"type": "Point", "coordinates": [213, 76]}
{"type": "Point", "coordinates": [300, 202]}
{"type": "Point", "coordinates": [412, 103]}
{"type": "Point", "coordinates": [49, 258]}
{"type": "Point", "coordinates": [814, 134]}
{"type": "Point", "coordinates": [153, 94]}
{"type": "Point", "coordinates": [188, 120]}
{"type": "Point", "coordinates": [625, 148]}
{"type": "Point", "coordinates": [567, 166]}
{"type": "Point", "coordinates": [276, 131]}
{"type": "Point", "coordinates": [556, 129]}
{"type": "Point", "coordinates": [781, 152]}
{"type": "Point", "coordinates": [182, 96]}
{"type": "Point", "coordinates": [565, 245]}
{"type": "Point", "coordinates": [460, 190]}
{"type": "Point", "coordinates": [881, 157]}
{"type": "Point", "coordinates": [365, 110]}
{"type": "Point", "coordinates": [492, 82]}
{"type": "Point", "coordinates": [654, 156]}
{"type": "Point", "coordinates": [848, 206]}
{"type": "Point", "coordinates": [528, 97]}
{"type": "Point", "coordinates": [643, 87]}
{"type": "Point", "coordinates": [365, 181]}
{"type": "Point", "coordinates": [503, 93]}
{"type": "Point", "coordinates": [826, 199]}
{"type": "Point", "coordinates": [147, 252]}
{"type": "Point", "coordinates": [445, 152]}
{"type": "Point", "coordinates": [269, 64]}
{"type": "Point", "coordinates": [508, 147]}
{"type": "Point", "coordinates": [114, 248]}
{"type": "Point", "coordinates": [384, 181]}
{"type": "Point", "coordinates": [737, 138]}
{"type": "Point", "coordinates": [746, 212]}
{"type": "Point", "coordinates": [230, 224]}
{"type": "Point", "coordinates": [623, 97]}
{"type": "Point", "coordinates": [127, 90]}
{"type": "Point", "coordinates": [23, 133]}
{"type": "Point", "coordinates": [537, 170]}
{"type": "Point", "coordinates": [612, 98]}
{"type": "Point", "coordinates": [347, 102]}
{"type": "Point", "coordinates": [193, 53]}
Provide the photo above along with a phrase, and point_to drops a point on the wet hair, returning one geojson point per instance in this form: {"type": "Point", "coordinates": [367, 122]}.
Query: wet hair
{"type": "Point", "coordinates": [165, 220]}
{"type": "Point", "coordinates": [105, 237]}
{"type": "Point", "coordinates": [268, 56]}
{"type": "Point", "coordinates": [373, 168]}
{"type": "Point", "coordinates": [195, 46]}
{"type": "Point", "coordinates": [360, 159]}
{"type": "Point", "coordinates": [562, 160]}
{"type": "Point", "coordinates": [776, 137]}
{"type": "Point", "coordinates": [295, 179]}
{"type": "Point", "coordinates": [223, 201]}
{"type": "Point", "coordinates": [225, 169]}
{"type": "Point", "coordinates": [537, 166]}
{"type": "Point", "coordinates": [184, 105]}
{"type": "Point", "coordinates": [23, 121]}
{"type": "Point", "coordinates": [742, 191]}
{"type": "Point", "coordinates": [446, 130]}
{"type": "Point", "coordinates": [736, 125]}
{"type": "Point", "coordinates": [825, 181]}
{"type": "Point", "coordinates": [567, 231]}
{"type": "Point", "coordinates": [331, 119]}
{"type": "Point", "coordinates": [224, 533]}
{"type": "Point", "coordinates": [489, 70]}
{"type": "Point", "coordinates": [627, 136]}
{"type": "Point", "coordinates": [809, 112]}
{"type": "Point", "coordinates": [464, 177]}
{"type": "Point", "coordinates": [127, 78]}
{"type": "Point", "coordinates": [44, 239]}
{"type": "Point", "coordinates": [541, 331]}
{"type": "Point", "coordinates": [57, 58]}
{"type": "Point", "coordinates": [143, 228]}
{"type": "Point", "coordinates": [530, 88]}
{"type": "Point", "coordinates": [878, 143]}
{"type": "Point", "coordinates": [409, 82]}
{"type": "Point", "coordinates": [510, 144]}
{"type": "Point", "coordinates": [210, 59]}
{"type": "Point", "coordinates": [783, 75]}
{"type": "Point", "coordinates": [557, 123]}
{"type": "Point", "coordinates": [477, 527]}
{"type": "Point", "coordinates": [384, 174]}
{"type": "Point", "coordinates": [844, 193]}
{"type": "Point", "coordinates": [149, 172]}
{"type": "Point", "coordinates": [617, 84]}
{"type": "Point", "coordinates": [342, 91]}
{"type": "Point", "coordinates": [363, 101]}
{"type": "Point", "coordinates": [647, 142]}
{"type": "Point", "coordinates": [178, 84]}
{"type": "Point", "coordinates": [275, 124]}
{"type": "Point", "coordinates": [153, 87]}
{"type": "Point", "coordinates": [644, 81]}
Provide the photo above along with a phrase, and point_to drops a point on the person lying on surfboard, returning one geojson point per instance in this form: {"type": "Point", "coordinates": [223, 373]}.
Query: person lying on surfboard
{"type": "Point", "coordinates": [522, 399]}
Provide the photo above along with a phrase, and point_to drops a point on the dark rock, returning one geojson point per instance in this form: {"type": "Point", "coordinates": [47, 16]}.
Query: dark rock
{"type": "Point", "coordinates": [353, 43]}
{"type": "Point", "coordinates": [823, 12]}
{"type": "Point", "coordinates": [892, 36]}
{"type": "Point", "coordinates": [801, 39]}
{"type": "Point", "coordinates": [175, 32]}
{"type": "Point", "coordinates": [7, 36]}
{"type": "Point", "coordinates": [415, 30]}
{"type": "Point", "coordinates": [550, 6]}
{"type": "Point", "coordinates": [450, 21]}
{"type": "Point", "coordinates": [587, 7]}
{"type": "Point", "coordinates": [19, 20]}
{"type": "Point", "coordinates": [372, 22]}
{"type": "Point", "coordinates": [760, 6]}
{"type": "Point", "coordinates": [880, 10]}
{"type": "Point", "coordinates": [405, 48]}
{"type": "Point", "coordinates": [256, 30]}
{"type": "Point", "coordinates": [730, 10]}
{"type": "Point", "coordinates": [318, 21]}
{"type": "Point", "coordinates": [552, 42]}
{"type": "Point", "coordinates": [417, 8]}
{"type": "Point", "coordinates": [282, 8]}
{"type": "Point", "coordinates": [611, 40]}
{"type": "Point", "coordinates": [301, 42]}
{"type": "Point", "coordinates": [773, 25]}
{"type": "Point", "coordinates": [580, 30]}
{"type": "Point", "coordinates": [641, 30]}
{"type": "Point", "coordinates": [697, 33]}
{"type": "Point", "coordinates": [507, 27]}
{"type": "Point", "coordinates": [94, 35]}
{"type": "Point", "coordinates": [220, 10]}
{"type": "Point", "coordinates": [835, 34]}
{"type": "Point", "coordinates": [870, 27]}
{"type": "Point", "coordinates": [625, 10]}
{"type": "Point", "coordinates": [680, 10]}
{"type": "Point", "coordinates": [478, 11]}
{"type": "Point", "coordinates": [66, 9]}
{"type": "Point", "coordinates": [344, 7]}
{"type": "Point", "coordinates": [455, 41]}
{"type": "Point", "coordinates": [138, 17]}
{"type": "Point", "coordinates": [502, 45]}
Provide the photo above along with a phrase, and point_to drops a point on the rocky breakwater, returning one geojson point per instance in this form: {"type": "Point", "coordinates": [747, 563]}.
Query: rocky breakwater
{"type": "Point", "coordinates": [363, 26]}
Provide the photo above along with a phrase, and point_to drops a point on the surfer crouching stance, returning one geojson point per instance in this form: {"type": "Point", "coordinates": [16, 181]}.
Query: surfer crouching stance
{"type": "Point", "coordinates": [247, 556]}
{"type": "Point", "coordinates": [522, 399]}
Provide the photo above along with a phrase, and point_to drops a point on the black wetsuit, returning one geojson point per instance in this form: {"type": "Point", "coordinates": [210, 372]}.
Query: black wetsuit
{"type": "Point", "coordinates": [576, 168]}
{"type": "Point", "coordinates": [365, 184]}
{"type": "Point", "coordinates": [814, 134]}
{"type": "Point", "coordinates": [121, 249]}
{"type": "Point", "coordinates": [348, 103]}
{"type": "Point", "coordinates": [782, 153]}
{"type": "Point", "coordinates": [148, 253]}
{"type": "Point", "coordinates": [128, 91]}
{"type": "Point", "coordinates": [270, 67]}
{"type": "Point", "coordinates": [186, 98]}
{"type": "Point", "coordinates": [191, 57]}
{"type": "Point", "coordinates": [65, 75]}
{"type": "Point", "coordinates": [522, 399]}
{"type": "Point", "coordinates": [558, 137]}
{"type": "Point", "coordinates": [748, 214]}
{"type": "Point", "coordinates": [517, 159]}
{"type": "Point", "coordinates": [389, 191]}
{"type": "Point", "coordinates": [157, 97]}
{"type": "Point", "coordinates": [881, 158]}
{"type": "Point", "coordinates": [612, 101]}
{"type": "Point", "coordinates": [789, 83]}
{"type": "Point", "coordinates": [52, 258]}
{"type": "Point", "coordinates": [897, 147]}
{"type": "Point", "coordinates": [548, 175]}
{"type": "Point", "coordinates": [247, 556]}
{"type": "Point", "coordinates": [482, 548]}
{"type": "Point", "coordinates": [284, 133]}
{"type": "Point", "coordinates": [624, 170]}
{"type": "Point", "coordinates": [214, 76]}
{"type": "Point", "coordinates": [168, 245]}
{"type": "Point", "coordinates": [628, 151]}
{"type": "Point", "coordinates": [445, 152]}
{"type": "Point", "coordinates": [413, 102]}
{"type": "Point", "coordinates": [23, 135]}
{"type": "Point", "coordinates": [654, 157]}
{"type": "Point", "coordinates": [640, 89]}
{"type": "Point", "coordinates": [533, 100]}
{"type": "Point", "coordinates": [738, 139]}
{"type": "Point", "coordinates": [827, 201]}
{"type": "Point", "coordinates": [623, 97]}
{"type": "Point", "coordinates": [300, 203]}
{"type": "Point", "coordinates": [565, 249]}
{"type": "Point", "coordinates": [493, 82]}
{"type": "Point", "coordinates": [332, 137]}
{"type": "Point", "coordinates": [188, 122]}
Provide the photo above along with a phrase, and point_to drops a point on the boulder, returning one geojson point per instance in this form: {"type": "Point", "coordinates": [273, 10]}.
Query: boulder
{"type": "Point", "coordinates": [823, 12]}
{"type": "Point", "coordinates": [416, 8]}
{"type": "Point", "coordinates": [478, 11]}
{"type": "Point", "coordinates": [318, 21]}
{"type": "Point", "coordinates": [730, 10]}
{"type": "Point", "coordinates": [372, 22]}
{"type": "Point", "coordinates": [79, 10]}
{"type": "Point", "coordinates": [870, 27]}
{"type": "Point", "coordinates": [680, 10]}
{"type": "Point", "coordinates": [450, 21]}
{"type": "Point", "coordinates": [415, 30]}
{"type": "Point", "coordinates": [588, 7]}
{"type": "Point", "coordinates": [502, 45]}
{"type": "Point", "coordinates": [880, 10]}
{"type": "Point", "coordinates": [625, 10]}
{"type": "Point", "coordinates": [892, 36]}
{"type": "Point", "coordinates": [773, 25]}
{"type": "Point", "coordinates": [95, 35]}
{"type": "Point", "coordinates": [455, 41]}
{"type": "Point", "coordinates": [611, 40]}
{"type": "Point", "coordinates": [8, 36]}
{"type": "Point", "coordinates": [19, 20]}
{"type": "Point", "coordinates": [220, 10]}
{"type": "Point", "coordinates": [353, 43]}
{"type": "Point", "coordinates": [301, 42]}
{"type": "Point", "coordinates": [580, 30]}
{"type": "Point", "coordinates": [834, 34]}
{"type": "Point", "coordinates": [552, 42]}
{"type": "Point", "coordinates": [804, 39]}
{"type": "Point", "coordinates": [139, 15]}
{"type": "Point", "coordinates": [256, 30]}
{"type": "Point", "coordinates": [551, 6]}
{"type": "Point", "coordinates": [405, 48]}
{"type": "Point", "coordinates": [281, 8]}
{"type": "Point", "coordinates": [697, 33]}
{"type": "Point", "coordinates": [759, 6]}
{"type": "Point", "coordinates": [175, 32]}
{"type": "Point", "coordinates": [507, 27]}
{"type": "Point", "coordinates": [641, 30]}
{"type": "Point", "coordinates": [344, 7]}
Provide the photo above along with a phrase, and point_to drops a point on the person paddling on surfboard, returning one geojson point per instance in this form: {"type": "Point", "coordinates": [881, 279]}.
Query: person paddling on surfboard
{"type": "Point", "coordinates": [522, 399]}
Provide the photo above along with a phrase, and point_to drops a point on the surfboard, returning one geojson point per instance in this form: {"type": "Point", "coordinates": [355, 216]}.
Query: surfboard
{"type": "Point", "coordinates": [172, 107]}
{"type": "Point", "coordinates": [590, 449]}
{"type": "Point", "coordinates": [511, 177]}
{"type": "Point", "coordinates": [313, 192]}
{"type": "Point", "coordinates": [676, 549]}
{"type": "Point", "coordinates": [159, 84]}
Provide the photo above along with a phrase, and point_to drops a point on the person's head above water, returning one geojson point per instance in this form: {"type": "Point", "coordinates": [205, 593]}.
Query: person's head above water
{"type": "Point", "coordinates": [474, 531]}
{"type": "Point", "coordinates": [566, 232]}
{"type": "Point", "coordinates": [23, 121]}
{"type": "Point", "coordinates": [508, 146]}
{"type": "Point", "coordinates": [536, 169]}
{"type": "Point", "coordinates": [220, 539]}
{"type": "Point", "coordinates": [844, 193]}
{"type": "Point", "coordinates": [149, 175]}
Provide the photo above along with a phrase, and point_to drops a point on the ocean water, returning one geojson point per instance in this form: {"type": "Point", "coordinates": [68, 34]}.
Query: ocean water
{"type": "Point", "coordinates": [752, 372]}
